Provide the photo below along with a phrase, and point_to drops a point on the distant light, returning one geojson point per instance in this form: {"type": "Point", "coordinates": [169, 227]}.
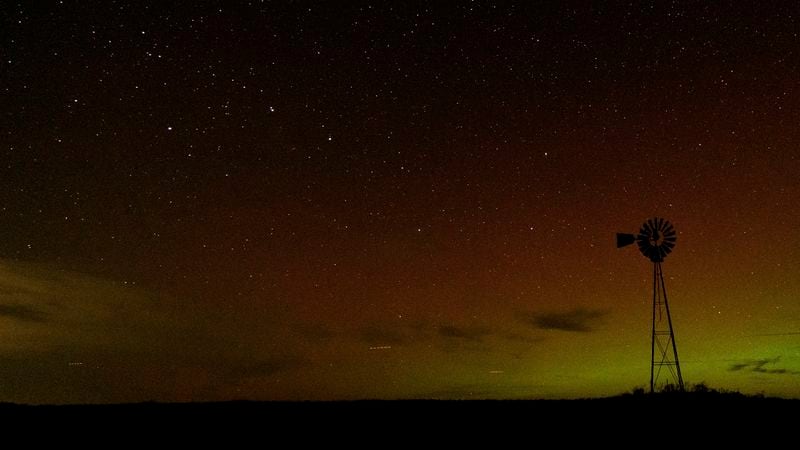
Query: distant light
{"type": "Point", "coordinates": [169, 128]}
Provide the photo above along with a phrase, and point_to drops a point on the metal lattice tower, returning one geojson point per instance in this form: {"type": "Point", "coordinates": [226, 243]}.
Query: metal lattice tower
{"type": "Point", "coordinates": [656, 239]}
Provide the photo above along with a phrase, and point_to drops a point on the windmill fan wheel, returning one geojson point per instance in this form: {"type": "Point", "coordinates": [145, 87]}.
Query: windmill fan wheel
{"type": "Point", "coordinates": [656, 239]}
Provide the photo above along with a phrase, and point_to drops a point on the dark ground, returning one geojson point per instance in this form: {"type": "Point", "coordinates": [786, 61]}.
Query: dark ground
{"type": "Point", "coordinates": [716, 422]}
{"type": "Point", "coordinates": [306, 420]}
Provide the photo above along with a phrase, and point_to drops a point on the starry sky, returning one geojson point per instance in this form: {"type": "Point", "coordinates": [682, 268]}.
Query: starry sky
{"type": "Point", "coordinates": [340, 200]}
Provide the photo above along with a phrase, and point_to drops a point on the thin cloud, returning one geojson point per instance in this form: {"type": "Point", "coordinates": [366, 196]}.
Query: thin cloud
{"type": "Point", "coordinates": [581, 320]}
{"type": "Point", "coordinates": [760, 366]}
{"type": "Point", "coordinates": [69, 337]}
{"type": "Point", "coordinates": [23, 313]}
{"type": "Point", "coordinates": [475, 333]}
{"type": "Point", "coordinates": [389, 334]}
{"type": "Point", "coordinates": [377, 336]}
{"type": "Point", "coordinates": [516, 337]}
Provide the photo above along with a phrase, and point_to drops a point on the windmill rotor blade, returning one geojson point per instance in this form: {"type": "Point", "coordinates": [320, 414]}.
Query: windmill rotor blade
{"type": "Point", "coordinates": [654, 249]}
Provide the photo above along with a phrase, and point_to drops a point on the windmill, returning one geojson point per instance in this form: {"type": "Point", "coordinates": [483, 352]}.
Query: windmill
{"type": "Point", "coordinates": [656, 239]}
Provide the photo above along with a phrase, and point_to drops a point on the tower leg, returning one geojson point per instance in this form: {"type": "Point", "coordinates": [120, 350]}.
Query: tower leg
{"type": "Point", "coordinates": [653, 335]}
{"type": "Point", "coordinates": [665, 368]}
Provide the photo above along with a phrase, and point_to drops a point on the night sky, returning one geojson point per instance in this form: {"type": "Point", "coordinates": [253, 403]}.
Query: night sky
{"type": "Point", "coordinates": [291, 200]}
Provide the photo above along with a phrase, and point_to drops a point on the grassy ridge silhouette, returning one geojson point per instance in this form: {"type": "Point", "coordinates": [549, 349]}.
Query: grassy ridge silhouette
{"type": "Point", "coordinates": [626, 411]}
{"type": "Point", "coordinates": [696, 391]}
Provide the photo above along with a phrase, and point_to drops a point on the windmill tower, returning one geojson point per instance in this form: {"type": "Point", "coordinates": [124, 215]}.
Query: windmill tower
{"type": "Point", "coordinates": [656, 239]}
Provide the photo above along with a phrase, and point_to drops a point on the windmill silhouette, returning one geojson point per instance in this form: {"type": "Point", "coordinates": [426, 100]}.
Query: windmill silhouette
{"type": "Point", "coordinates": [656, 239]}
